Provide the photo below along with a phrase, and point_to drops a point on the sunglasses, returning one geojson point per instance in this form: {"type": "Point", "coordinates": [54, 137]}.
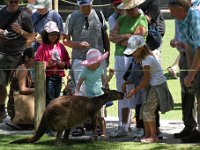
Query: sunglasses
{"type": "Point", "coordinates": [53, 34]}
{"type": "Point", "coordinates": [13, 2]}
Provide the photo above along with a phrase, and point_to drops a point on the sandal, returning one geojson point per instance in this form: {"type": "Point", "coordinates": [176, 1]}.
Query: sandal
{"type": "Point", "coordinates": [78, 132]}
{"type": "Point", "coordinates": [148, 140]}
{"type": "Point", "coordinates": [172, 72]}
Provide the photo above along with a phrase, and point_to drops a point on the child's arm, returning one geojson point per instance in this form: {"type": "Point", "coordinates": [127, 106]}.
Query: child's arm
{"type": "Point", "coordinates": [78, 86]}
{"type": "Point", "coordinates": [105, 79]}
{"type": "Point", "coordinates": [123, 87]}
{"type": "Point", "coordinates": [143, 84]}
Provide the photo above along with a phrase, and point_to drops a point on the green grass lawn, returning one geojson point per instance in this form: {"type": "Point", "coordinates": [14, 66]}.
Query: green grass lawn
{"type": "Point", "coordinates": [168, 55]}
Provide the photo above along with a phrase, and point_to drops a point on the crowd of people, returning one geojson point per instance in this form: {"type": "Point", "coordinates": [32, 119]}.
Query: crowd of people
{"type": "Point", "coordinates": [36, 33]}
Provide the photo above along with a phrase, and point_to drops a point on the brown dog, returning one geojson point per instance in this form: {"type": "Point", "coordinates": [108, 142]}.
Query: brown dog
{"type": "Point", "coordinates": [65, 112]}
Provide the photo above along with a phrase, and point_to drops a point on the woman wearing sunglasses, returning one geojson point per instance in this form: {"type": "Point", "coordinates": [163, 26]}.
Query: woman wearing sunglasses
{"type": "Point", "coordinates": [56, 57]}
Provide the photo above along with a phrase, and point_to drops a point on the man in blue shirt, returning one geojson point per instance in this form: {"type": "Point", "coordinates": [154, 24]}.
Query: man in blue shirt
{"type": "Point", "coordinates": [189, 27]}
{"type": "Point", "coordinates": [43, 15]}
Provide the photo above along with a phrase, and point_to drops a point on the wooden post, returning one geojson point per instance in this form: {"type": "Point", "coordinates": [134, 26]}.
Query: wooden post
{"type": "Point", "coordinates": [40, 91]}
{"type": "Point", "coordinates": [56, 5]}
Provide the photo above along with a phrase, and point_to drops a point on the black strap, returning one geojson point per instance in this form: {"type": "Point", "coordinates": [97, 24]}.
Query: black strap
{"type": "Point", "coordinates": [14, 17]}
{"type": "Point", "coordinates": [102, 31]}
{"type": "Point", "coordinates": [39, 19]}
{"type": "Point", "coordinates": [100, 16]}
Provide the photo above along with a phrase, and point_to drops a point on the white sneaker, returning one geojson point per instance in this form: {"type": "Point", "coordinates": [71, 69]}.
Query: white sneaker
{"type": "Point", "coordinates": [139, 132]}
{"type": "Point", "coordinates": [119, 133]}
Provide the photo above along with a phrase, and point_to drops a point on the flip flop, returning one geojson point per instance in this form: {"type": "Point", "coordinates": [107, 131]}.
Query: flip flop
{"type": "Point", "coordinates": [148, 140]}
{"type": "Point", "coordinates": [13, 126]}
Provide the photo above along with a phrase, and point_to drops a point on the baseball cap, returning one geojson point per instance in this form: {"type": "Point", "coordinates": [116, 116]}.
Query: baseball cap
{"type": "Point", "coordinates": [134, 42]}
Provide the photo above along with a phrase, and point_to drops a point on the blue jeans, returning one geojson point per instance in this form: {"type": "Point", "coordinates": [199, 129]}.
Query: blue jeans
{"type": "Point", "coordinates": [53, 87]}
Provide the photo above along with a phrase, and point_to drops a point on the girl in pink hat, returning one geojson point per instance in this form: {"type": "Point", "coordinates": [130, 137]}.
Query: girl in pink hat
{"type": "Point", "coordinates": [93, 77]}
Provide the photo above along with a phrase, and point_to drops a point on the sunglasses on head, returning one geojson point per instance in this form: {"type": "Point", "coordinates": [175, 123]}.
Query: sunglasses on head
{"type": "Point", "coordinates": [14, 2]}
{"type": "Point", "coordinates": [53, 34]}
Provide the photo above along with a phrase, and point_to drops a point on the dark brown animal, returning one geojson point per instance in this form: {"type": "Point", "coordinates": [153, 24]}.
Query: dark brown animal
{"type": "Point", "coordinates": [65, 112]}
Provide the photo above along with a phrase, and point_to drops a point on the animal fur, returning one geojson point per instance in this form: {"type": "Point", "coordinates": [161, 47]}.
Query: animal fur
{"type": "Point", "coordinates": [65, 112]}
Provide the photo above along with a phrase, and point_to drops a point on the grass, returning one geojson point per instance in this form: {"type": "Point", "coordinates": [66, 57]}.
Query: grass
{"type": "Point", "coordinates": [46, 142]}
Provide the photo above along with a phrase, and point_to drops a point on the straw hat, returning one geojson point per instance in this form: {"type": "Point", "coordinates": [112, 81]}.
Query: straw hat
{"type": "Point", "coordinates": [128, 4]}
{"type": "Point", "coordinates": [93, 56]}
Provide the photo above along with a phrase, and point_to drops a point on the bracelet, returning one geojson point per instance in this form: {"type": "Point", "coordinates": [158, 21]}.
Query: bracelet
{"type": "Point", "coordinates": [22, 32]}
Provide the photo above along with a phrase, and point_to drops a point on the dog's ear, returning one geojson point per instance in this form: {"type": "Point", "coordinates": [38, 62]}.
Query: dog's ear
{"type": "Point", "coordinates": [105, 90]}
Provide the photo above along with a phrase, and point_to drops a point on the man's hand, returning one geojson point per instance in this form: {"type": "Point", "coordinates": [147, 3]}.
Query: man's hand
{"type": "Point", "coordinates": [84, 45]}
{"type": "Point", "coordinates": [188, 80]}
{"type": "Point", "coordinates": [2, 33]}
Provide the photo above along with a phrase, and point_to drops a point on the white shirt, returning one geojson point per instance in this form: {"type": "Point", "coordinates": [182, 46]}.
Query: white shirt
{"type": "Point", "coordinates": [156, 74]}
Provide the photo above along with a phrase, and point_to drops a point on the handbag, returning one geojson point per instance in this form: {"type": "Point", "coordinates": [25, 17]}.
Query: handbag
{"type": "Point", "coordinates": [24, 107]}
{"type": "Point", "coordinates": [153, 39]}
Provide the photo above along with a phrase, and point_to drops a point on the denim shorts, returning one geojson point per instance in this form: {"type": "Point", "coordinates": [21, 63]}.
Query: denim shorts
{"type": "Point", "coordinates": [7, 63]}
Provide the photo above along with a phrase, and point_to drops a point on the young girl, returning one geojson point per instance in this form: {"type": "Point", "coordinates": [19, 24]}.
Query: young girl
{"type": "Point", "coordinates": [56, 57]}
{"type": "Point", "coordinates": [155, 93]}
{"type": "Point", "coordinates": [93, 77]}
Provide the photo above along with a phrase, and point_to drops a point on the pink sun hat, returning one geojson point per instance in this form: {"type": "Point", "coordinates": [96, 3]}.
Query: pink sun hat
{"type": "Point", "coordinates": [93, 56]}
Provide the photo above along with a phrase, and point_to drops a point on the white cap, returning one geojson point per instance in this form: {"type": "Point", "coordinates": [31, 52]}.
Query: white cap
{"type": "Point", "coordinates": [41, 4]}
{"type": "Point", "coordinates": [51, 27]}
{"type": "Point", "coordinates": [134, 42]}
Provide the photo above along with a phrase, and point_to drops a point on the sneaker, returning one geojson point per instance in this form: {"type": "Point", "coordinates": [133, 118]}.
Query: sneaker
{"type": "Point", "coordinates": [159, 136]}
{"type": "Point", "coordinates": [139, 132]}
{"type": "Point", "coordinates": [119, 133]}
{"type": "Point", "coordinates": [2, 115]}
{"type": "Point", "coordinates": [193, 138]}
{"type": "Point", "coordinates": [184, 133]}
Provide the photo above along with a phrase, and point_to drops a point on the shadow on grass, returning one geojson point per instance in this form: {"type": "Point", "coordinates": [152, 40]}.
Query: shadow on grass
{"type": "Point", "coordinates": [177, 106]}
{"type": "Point", "coordinates": [170, 77]}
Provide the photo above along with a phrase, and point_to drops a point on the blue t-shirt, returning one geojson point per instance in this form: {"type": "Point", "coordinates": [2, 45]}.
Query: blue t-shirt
{"type": "Point", "coordinates": [51, 16]}
{"type": "Point", "coordinates": [92, 80]}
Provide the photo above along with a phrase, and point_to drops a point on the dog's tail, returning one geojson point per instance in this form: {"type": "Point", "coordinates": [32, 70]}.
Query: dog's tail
{"type": "Point", "coordinates": [39, 133]}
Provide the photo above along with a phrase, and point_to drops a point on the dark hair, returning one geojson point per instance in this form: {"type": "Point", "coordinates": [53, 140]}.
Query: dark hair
{"type": "Point", "coordinates": [45, 38]}
{"type": "Point", "coordinates": [29, 52]}
{"type": "Point", "coordinates": [185, 4]}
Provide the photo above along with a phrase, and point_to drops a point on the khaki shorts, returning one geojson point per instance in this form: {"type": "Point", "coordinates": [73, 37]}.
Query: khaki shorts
{"type": "Point", "coordinates": [7, 63]}
{"type": "Point", "coordinates": [148, 109]}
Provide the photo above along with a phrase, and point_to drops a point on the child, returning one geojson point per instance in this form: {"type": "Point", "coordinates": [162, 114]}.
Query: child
{"type": "Point", "coordinates": [56, 57]}
{"type": "Point", "coordinates": [155, 92]}
{"type": "Point", "coordinates": [93, 77]}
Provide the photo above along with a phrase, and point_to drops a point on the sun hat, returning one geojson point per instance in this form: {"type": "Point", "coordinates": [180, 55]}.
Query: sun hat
{"type": "Point", "coordinates": [93, 56]}
{"type": "Point", "coordinates": [128, 4]}
{"type": "Point", "coordinates": [41, 4]}
{"type": "Point", "coordinates": [134, 42]}
{"type": "Point", "coordinates": [84, 2]}
{"type": "Point", "coordinates": [51, 27]}
{"type": "Point", "coordinates": [116, 2]}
